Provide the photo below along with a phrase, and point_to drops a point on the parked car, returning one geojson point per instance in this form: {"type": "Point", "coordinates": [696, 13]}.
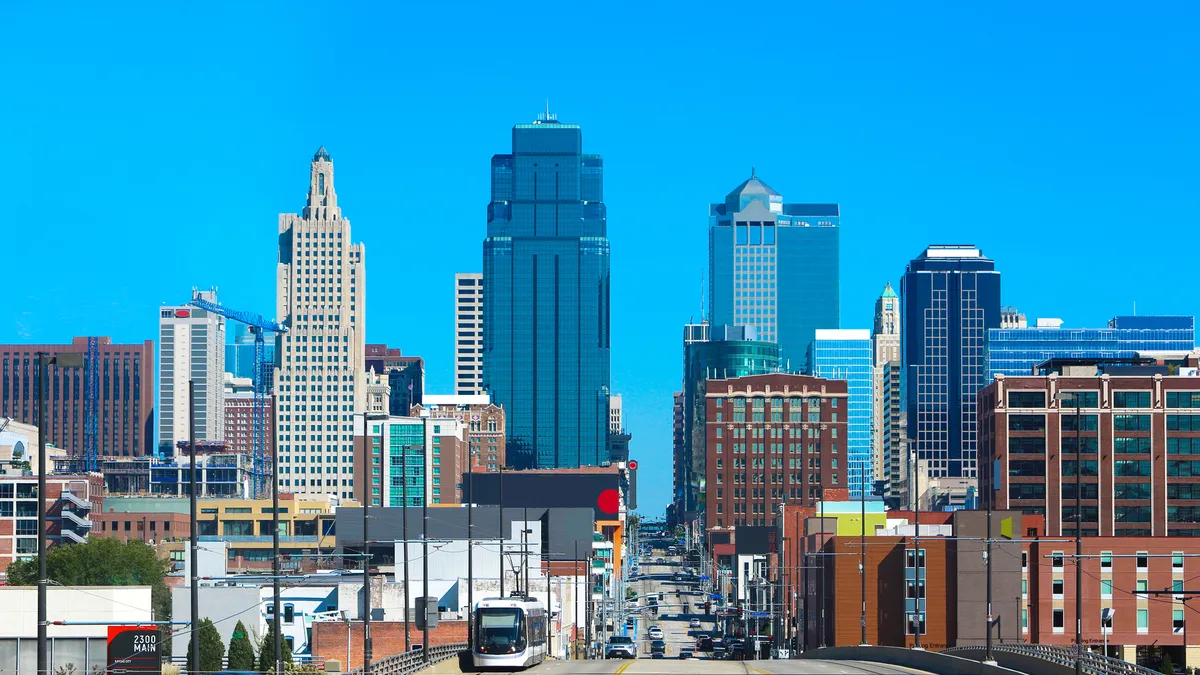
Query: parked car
{"type": "Point", "coordinates": [658, 647]}
{"type": "Point", "coordinates": [620, 647]}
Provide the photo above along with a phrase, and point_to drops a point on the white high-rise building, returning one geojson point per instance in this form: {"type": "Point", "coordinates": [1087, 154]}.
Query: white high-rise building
{"type": "Point", "coordinates": [191, 347]}
{"type": "Point", "coordinates": [468, 334]}
{"type": "Point", "coordinates": [320, 381]}
{"type": "Point", "coordinates": [885, 337]}
{"type": "Point", "coordinates": [616, 421]}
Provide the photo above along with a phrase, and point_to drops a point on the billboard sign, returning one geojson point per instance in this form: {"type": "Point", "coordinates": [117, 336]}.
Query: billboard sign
{"type": "Point", "coordinates": [133, 649]}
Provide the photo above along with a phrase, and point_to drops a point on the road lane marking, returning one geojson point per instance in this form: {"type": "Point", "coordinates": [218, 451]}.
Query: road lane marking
{"type": "Point", "coordinates": [624, 667]}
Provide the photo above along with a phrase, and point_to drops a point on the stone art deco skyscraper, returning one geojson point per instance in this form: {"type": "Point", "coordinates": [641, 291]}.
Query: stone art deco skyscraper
{"type": "Point", "coordinates": [545, 298]}
{"type": "Point", "coordinates": [319, 381]}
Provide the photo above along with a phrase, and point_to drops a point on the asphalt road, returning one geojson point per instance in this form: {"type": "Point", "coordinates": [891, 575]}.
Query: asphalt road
{"type": "Point", "coordinates": [705, 667]}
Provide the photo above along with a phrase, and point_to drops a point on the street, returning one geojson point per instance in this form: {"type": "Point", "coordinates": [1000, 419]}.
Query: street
{"type": "Point", "coordinates": [706, 667]}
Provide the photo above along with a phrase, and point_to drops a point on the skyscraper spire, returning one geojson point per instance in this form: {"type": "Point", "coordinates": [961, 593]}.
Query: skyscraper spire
{"type": "Point", "coordinates": [322, 200]}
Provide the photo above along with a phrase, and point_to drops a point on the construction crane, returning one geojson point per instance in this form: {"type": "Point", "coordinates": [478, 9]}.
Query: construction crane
{"type": "Point", "coordinates": [258, 325]}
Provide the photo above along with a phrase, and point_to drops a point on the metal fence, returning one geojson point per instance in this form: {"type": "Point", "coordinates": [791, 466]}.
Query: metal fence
{"type": "Point", "coordinates": [1091, 662]}
{"type": "Point", "coordinates": [411, 662]}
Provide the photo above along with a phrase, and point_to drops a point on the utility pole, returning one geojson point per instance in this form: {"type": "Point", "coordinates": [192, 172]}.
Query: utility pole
{"type": "Point", "coordinates": [404, 523]}
{"type": "Point", "coordinates": [987, 557]}
{"type": "Point", "coordinates": [470, 556]}
{"type": "Point", "coordinates": [425, 538]}
{"type": "Point", "coordinates": [194, 665]}
{"type": "Point", "coordinates": [500, 510]}
{"type": "Point", "coordinates": [862, 550]}
{"type": "Point", "coordinates": [275, 542]}
{"type": "Point", "coordinates": [918, 615]}
{"type": "Point", "coordinates": [368, 455]}
{"type": "Point", "coordinates": [43, 645]}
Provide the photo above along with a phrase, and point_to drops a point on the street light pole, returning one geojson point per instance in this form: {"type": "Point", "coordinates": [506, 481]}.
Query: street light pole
{"type": "Point", "coordinates": [43, 648]}
{"type": "Point", "coordinates": [425, 538]}
{"type": "Point", "coordinates": [1078, 540]}
{"type": "Point", "coordinates": [195, 544]}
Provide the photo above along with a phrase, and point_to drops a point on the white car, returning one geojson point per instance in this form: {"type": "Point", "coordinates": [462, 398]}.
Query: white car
{"type": "Point", "coordinates": [655, 633]}
{"type": "Point", "coordinates": [694, 623]}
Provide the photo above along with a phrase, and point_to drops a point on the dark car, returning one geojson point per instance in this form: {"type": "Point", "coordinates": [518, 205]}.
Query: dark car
{"type": "Point", "coordinates": [704, 643]}
{"type": "Point", "coordinates": [718, 651]}
{"type": "Point", "coordinates": [737, 652]}
{"type": "Point", "coordinates": [686, 654]}
{"type": "Point", "coordinates": [658, 647]}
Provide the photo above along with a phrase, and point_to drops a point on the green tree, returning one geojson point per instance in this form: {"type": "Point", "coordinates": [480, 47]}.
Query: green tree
{"type": "Point", "coordinates": [1166, 667]}
{"type": "Point", "coordinates": [105, 561]}
{"type": "Point", "coordinates": [266, 651]}
{"type": "Point", "coordinates": [212, 650]}
{"type": "Point", "coordinates": [241, 650]}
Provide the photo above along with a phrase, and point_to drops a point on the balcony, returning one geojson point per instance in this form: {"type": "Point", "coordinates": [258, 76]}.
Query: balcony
{"type": "Point", "coordinates": [252, 539]}
{"type": "Point", "coordinates": [76, 500]}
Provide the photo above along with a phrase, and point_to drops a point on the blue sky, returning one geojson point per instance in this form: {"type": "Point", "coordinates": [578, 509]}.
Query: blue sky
{"type": "Point", "coordinates": [149, 149]}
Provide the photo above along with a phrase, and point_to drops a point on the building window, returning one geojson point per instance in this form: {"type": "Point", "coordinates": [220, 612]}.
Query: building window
{"type": "Point", "coordinates": [1143, 560]}
{"type": "Point", "coordinates": [1131, 399]}
{"type": "Point", "coordinates": [1143, 620]}
{"type": "Point", "coordinates": [1106, 560]}
{"type": "Point", "coordinates": [1106, 586]}
{"type": "Point", "coordinates": [1057, 589]}
{"type": "Point", "coordinates": [1056, 560]}
{"type": "Point", "coordinates": [1059, 620]}
{"type": "Point", "coordinates": [1177, 621]}
{"type": "Point", "coordinates": [1177, 560]}
{"type": "Point", "coordinates": [289, 613]}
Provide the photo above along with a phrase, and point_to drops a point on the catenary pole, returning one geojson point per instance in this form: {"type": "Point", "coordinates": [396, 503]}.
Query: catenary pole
{"type": "Point", "coordinates": [194, 664]}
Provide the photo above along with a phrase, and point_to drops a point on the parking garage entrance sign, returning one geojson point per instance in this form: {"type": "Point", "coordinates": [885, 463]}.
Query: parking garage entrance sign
{"type": "Point", "coordinates": [133, 649]}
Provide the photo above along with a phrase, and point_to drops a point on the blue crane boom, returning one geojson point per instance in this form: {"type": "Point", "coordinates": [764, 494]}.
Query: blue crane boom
{"type": "Point", "coordinates": [258, 326]}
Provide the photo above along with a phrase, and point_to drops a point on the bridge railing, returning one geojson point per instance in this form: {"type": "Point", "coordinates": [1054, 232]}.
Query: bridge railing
{"type": "Point", "coordinates": [411, 662]}
{"type": "Point", "coordinates": [1090, 663]}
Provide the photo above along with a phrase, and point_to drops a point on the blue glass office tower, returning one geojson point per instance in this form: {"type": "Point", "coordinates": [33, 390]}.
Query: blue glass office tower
{"type": "Point", "coordinates": [774, 266]}
{"type": "Point", "coordinates": [546, 290]}
{"type": "Point", "coordinates": [239, 355]}
{"type": "Point", "coordinates": [949, 299]}
{"type": "Point", "coordinates": [1017, 351]}
{"type": "Point", "coordinates": [848, 355]}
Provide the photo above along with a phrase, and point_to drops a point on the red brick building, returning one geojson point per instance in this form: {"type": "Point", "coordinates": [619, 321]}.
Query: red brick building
{"type": "Point", "coordinates": [483, 422]}
{"type": "Point", "coordinates": [329, 639]}
{"type": "Point", "coordinates": [124, 387]}
{"type": "Point", "coordinates": [770, 438]}
{"type": "Point", "coordinates": [239, 422]}
{"type": "Point", "coordinates": [1138, 455]}
{"type": "Point", "coordinates": [70, 502]}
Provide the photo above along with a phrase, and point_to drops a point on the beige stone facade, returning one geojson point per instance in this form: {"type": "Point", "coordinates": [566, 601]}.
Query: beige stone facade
{"type": "Point", "coordinates": [320, 381]}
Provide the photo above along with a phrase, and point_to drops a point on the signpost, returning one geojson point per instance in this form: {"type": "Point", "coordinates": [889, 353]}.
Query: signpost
{"type": "Point", "coordinates": [133, 649]}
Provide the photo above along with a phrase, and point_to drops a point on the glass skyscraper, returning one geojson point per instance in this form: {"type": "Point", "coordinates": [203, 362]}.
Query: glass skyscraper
{"type": "Point", "coordinates": [774, 266]}
{"type": "Point", "coordinates": [1017, 351]}
{"type": "Point", "coordinates": [949, 299]}
{"type": "Point", "coordinates": [239, 355]}
{"type": "Point", "coordinates": [546, 298]}
{"type": "Point", "coordinates": [849, 355]}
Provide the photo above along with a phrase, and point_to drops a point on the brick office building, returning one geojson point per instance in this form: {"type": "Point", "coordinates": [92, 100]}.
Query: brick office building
{"type": "Point", "coordinates": [482, 421]}
{"type": "Point", "coordinates": [1139, 453]}
{"type": "Point", "coordinates": [121, 397]}
{"type": "Point", "coordinates": [71, 500]}
{"type": "Point", "coordinates": [239, 422]}
{"type": "Point", "coordinates": [772, 438]}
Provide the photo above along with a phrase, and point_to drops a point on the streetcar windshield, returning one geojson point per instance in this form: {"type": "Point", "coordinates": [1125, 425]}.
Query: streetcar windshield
{"type": "Point", "coordinates": [500, 630]}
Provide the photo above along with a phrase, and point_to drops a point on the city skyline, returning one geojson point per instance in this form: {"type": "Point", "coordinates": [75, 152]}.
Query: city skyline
{"type": "Point", "coordinates": [918, 176]}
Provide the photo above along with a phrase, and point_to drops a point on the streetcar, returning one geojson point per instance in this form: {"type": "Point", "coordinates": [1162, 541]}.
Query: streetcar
{"type": "Point", "coordinates": [510, 633]}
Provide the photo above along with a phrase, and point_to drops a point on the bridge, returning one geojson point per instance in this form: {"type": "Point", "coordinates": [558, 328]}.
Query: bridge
{"type": "Point", "coordinates": [860, 660]}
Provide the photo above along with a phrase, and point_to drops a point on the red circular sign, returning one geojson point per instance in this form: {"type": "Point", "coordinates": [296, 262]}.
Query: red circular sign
{"type": "Point", "coordinates": [609, 501]}
{"type": "Point", "coordinates": [633, 463]}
